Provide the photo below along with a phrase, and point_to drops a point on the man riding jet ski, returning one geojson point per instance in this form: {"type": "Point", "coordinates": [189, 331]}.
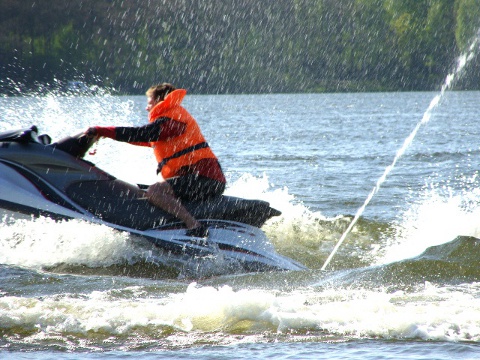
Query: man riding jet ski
{"type": "Point", "coordinates": [187, 167]}
{"type": "Point", "coordinates": [41, 178]}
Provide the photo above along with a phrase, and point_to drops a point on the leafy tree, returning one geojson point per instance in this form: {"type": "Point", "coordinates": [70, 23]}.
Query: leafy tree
{"type": "Point", "coordinates": [222, 46]}
{"type": "Point", "coordinates": [467, 31]}
{"type": "Point", "coordinates": [468, 22]}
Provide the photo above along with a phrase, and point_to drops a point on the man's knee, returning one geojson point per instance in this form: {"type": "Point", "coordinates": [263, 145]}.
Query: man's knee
{"type": "Point", "coordinates": [158, 190]}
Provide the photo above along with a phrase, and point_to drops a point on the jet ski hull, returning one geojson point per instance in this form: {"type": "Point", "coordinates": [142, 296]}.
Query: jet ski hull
{"type": "Point", "coordinates": [53, 180]}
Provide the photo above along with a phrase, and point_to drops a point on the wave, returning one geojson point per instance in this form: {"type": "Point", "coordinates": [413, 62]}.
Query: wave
{"type": "Point", "coordinates": [196, 312]}
{"type": "Point", "coordinates": [453, 263]}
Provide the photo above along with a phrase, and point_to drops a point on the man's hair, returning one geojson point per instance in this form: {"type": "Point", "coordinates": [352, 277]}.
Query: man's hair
{"type": "Point", "coordinates": [160, 91]}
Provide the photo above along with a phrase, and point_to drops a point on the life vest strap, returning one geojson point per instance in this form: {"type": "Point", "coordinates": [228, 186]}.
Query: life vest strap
{"type": "Point", "coordinates": [185, 151]}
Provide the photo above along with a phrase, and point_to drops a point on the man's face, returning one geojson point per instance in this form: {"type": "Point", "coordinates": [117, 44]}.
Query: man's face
{"type": "Point", "coordinates": [150, 103]}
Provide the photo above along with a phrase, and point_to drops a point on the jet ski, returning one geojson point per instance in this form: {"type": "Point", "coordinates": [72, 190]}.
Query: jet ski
{"type": "Point", "coordinates": [41, 178]}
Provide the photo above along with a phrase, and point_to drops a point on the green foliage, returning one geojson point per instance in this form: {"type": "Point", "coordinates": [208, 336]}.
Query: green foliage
{"type": "Point", "coordinates": [220, 46]}
{"type": "Point", "coordinates": [468, 21]}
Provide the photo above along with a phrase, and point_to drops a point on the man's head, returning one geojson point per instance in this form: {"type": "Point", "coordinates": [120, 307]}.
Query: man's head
{"type": "Point", "coordinates": [157, 93]}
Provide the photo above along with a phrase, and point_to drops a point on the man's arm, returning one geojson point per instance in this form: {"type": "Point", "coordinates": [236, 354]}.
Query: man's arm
{"type": "Point", "coordinates": [160, 129]}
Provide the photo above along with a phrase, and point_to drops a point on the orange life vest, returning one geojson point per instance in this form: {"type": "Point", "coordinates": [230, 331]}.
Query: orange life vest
{"type": "Point", "coordinates": [186, 149]}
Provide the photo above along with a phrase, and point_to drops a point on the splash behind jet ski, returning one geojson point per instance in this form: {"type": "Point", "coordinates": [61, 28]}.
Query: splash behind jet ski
{"type": "Point", "coordinates": [41, 178]}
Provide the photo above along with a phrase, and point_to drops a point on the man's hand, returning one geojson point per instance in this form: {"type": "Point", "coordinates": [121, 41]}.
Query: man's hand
{"type": "Point", "coordinates": [91, 132]}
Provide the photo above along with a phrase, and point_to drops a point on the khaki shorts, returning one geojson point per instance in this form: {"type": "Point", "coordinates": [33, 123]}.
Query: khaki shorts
{"type": "Point", "coordinates": [195, 187]}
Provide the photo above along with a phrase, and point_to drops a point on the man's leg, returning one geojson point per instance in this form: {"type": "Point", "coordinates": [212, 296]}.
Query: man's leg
{"type": "Point", "coordinates": [161, 195]}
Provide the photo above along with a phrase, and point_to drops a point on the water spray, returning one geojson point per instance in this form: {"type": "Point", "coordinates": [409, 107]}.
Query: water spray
{"type": "Point", "coordinates": [462, 61]}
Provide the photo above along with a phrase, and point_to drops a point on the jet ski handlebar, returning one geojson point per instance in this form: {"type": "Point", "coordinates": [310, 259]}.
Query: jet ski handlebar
{"type": "Point", "coordinates": [76, 145]}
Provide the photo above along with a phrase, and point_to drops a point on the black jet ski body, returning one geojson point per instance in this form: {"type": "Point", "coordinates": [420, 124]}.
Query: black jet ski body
{"type": "Point", "coordinates": [41, 178]}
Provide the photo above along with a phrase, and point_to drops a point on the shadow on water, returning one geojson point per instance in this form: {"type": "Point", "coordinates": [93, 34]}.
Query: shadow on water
{"type": "Point", "coordinates": [142, 269]}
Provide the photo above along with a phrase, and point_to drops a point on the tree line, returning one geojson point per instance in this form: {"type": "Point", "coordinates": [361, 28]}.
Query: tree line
{"type": "Point", "coordinates": [240, 46]}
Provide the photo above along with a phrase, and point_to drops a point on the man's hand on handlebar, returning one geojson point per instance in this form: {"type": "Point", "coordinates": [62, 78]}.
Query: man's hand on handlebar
{"type": "Point", "coordinates": [91, 132]}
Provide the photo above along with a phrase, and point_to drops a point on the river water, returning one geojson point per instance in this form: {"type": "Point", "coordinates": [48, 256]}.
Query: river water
{"type": "Point", "coordinates": [404, 284]}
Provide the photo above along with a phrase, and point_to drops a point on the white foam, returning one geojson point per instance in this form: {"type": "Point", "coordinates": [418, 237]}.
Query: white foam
{"type": "Point", "coordinates": [429, 314]}
{"type": "Point", "coordinates": [251, 187]}
{"type": "Point", "coordinates": [45, 242]}
{"type": "Point", "coordinates": [436, 218]}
